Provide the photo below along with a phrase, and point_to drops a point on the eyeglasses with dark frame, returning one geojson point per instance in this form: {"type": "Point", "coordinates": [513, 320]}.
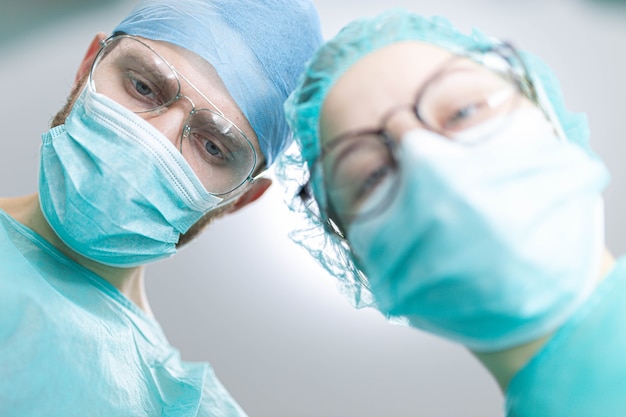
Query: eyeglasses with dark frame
{"type": "Point", "coordinates": [357, 173]}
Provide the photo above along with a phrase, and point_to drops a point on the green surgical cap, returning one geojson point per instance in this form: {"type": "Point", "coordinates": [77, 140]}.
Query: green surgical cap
{"type": "Point", "coordinates": [258, 48]}
{"type": "Point", "coordinates": [330, 62]}
{"type": "Point", "coordinates": [366, 35]}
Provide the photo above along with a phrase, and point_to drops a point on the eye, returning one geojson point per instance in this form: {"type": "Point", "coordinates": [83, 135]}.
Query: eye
{"type": "Point", "coordinates": [209, 147]}
{"type": "Point", "coordinates": [145, 94]}
{"type": "Point", "coordinates": [213, 149]}
{"type": "Point", "coordinates": [464, 96]}
{"type": "Point", "coordinates": [372, 191]}
{"type": "Point", "coordinates": [357, 178]}
{"type": "Point", "coordinates": [373, 180]}
{"type": "Point", "coordinates": [463, 116]}
{"type": "Point", "coordinates": [142, 88]}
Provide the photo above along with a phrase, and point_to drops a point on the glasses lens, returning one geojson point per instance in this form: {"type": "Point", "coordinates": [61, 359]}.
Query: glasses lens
{"type": "Point", "coordinates": [130, 73]}
{"type": "Point", "coordinates": [220, 153]}
{"type": "Point", "coordinates": [357, 173]}
{"type": "Point", "coordinates": [467, 95]}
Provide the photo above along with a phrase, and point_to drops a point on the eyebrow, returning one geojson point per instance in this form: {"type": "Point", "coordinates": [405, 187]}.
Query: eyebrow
{"type": "Point", "coordinates": [145, 66]}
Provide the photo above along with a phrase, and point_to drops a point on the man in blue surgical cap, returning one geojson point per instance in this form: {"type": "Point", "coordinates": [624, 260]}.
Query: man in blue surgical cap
{"type": "Point", "coordinates": [171, 121]}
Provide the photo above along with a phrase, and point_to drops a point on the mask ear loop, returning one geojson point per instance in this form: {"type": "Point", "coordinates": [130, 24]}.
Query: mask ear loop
{"type": "Point", "coordinates": [541, 97]}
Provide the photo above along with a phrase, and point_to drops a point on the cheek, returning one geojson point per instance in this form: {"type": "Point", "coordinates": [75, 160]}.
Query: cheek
{"type": "Point", "coordinates": [202, 224]}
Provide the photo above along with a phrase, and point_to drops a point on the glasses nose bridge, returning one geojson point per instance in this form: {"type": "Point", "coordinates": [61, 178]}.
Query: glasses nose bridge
{"type": "Point", "coordinates": [183, 96]}
{"type": "Point", "coordinates": [185, 127]}
{"type": "Point", "coordinates": [398, 120]}
{"type": "Point", "coordinates": [200, 93]}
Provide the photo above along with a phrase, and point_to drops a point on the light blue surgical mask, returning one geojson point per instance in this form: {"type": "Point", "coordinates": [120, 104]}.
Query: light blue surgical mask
{"type": "Point", "coordinates": [491, 244]}
{"type": "Point", "coordinates": [114, 188]}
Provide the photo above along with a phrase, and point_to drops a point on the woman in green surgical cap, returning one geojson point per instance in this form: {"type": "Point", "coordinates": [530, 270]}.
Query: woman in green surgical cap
{"type": "Point", "coordinates": [455, 193]}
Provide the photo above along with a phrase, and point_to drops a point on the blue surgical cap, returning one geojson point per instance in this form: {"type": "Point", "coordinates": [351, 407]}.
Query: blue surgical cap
{"type": "Point", "coordinates": [356, 40]}
{"type": "Point", "coordinates": [258, 48]}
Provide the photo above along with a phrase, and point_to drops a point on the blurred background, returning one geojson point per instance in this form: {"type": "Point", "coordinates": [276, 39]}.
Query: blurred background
{"type": "Point", "coordinates": [252, 303]}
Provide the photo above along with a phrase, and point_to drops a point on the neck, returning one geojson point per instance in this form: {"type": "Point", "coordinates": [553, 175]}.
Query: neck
{"type": "Point", "coordinates": [503, 365]}
{"type": "Point", "coordinates": [129, 281]}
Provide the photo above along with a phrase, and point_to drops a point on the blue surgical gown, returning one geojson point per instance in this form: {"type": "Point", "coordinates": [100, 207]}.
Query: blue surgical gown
{"type": "Point", "coordinates": [581, 371]}
{"type": "Point", "coordinates": [72, 345]}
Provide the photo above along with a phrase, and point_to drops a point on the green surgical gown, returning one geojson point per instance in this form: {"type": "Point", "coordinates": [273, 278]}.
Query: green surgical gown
{"type": "Point", "coordinates": [72, 345]}
{"type": "Point", "coordinates": [581, 371]}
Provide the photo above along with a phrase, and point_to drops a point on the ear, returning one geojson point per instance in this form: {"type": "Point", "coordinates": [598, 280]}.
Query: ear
{"type": "Point", "coordinates": [94, 47]}
{"type": "Point", "coordinates": [255, 190]}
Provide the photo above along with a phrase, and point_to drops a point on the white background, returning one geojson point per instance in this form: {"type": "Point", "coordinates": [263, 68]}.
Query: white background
{"type": "Point", "coordinates": [245, 298]}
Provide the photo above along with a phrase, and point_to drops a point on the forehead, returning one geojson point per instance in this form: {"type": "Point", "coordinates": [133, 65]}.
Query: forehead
{"type": "Point", "coordinates": [383, 79]}
{"type": "Point", "coordinates": [206, 79]}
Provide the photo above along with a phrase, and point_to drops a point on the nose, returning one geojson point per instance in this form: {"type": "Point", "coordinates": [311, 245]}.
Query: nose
{"type": "Point", "coordinates": [171, 120]}
{"type": "Point", "coordinates": [401, 121]}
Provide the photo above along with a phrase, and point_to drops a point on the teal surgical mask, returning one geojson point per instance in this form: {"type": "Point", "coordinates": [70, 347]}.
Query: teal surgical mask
{"type": "Point", "coordinates": [114, 188]}
{"type": "Point", "coordinates": [492, 243]}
